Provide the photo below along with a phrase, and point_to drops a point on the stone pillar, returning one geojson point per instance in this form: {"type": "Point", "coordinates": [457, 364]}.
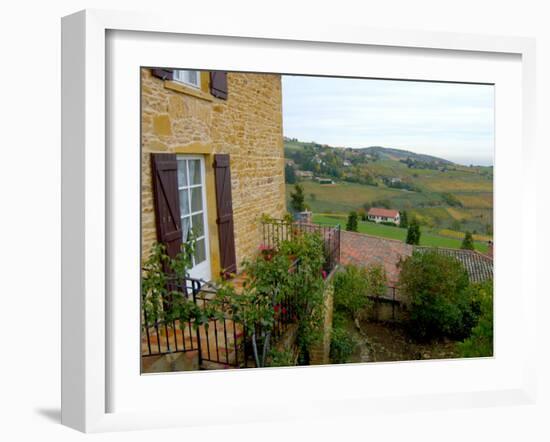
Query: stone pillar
{"type": "Point", "coordinates": [319, 354]}
{"type": "Point", "coordinates": [305, 217]}
{"type": "Point", "coordinates": [490, 249]}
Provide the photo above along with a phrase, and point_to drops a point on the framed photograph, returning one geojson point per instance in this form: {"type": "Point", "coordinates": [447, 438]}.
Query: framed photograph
{"type": "Point", "coordinates": [291, 223]}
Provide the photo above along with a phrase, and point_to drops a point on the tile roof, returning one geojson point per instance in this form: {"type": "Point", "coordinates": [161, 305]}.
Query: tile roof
{"type": "Point", "coordinates": [376, 211]}
{"type": "Point", "coordinates": [478, 266]}
{"type": "Point", "coordinates": [363, 250]}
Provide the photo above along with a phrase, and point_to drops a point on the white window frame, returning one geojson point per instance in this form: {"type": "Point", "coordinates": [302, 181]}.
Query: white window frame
{"type": "Point", "coordinates": [184, 76]}
{"type": "Point", "coordinates": [203, 269]}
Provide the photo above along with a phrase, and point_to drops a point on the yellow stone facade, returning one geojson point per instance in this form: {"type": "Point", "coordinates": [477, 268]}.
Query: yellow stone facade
{"type": "Point", "coordinates": [248, 126]}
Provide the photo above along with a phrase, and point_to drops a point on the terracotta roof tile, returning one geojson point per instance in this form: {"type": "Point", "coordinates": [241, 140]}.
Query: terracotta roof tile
{"type": "Point", "coordinates": [376, 211]}
{"type": "Point", "coordinates": [478, 266]}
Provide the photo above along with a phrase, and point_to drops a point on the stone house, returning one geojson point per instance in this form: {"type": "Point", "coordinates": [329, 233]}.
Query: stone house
{"type": "Point", "coordinates": [304, 174]}
{"type": "Point", "coordinates": [212, 163]}
{"type": "Point", "coordinates": [380, 215]}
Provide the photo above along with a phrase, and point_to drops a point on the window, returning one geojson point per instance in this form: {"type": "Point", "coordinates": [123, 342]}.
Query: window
{"type": "Point", "coordinates": [191, 78]}
{"type": "Point", "coordinates": [193, 211]}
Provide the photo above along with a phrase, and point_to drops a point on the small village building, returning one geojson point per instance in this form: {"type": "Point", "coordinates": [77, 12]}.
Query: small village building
{"type": "Point", "coordinates": [379, 215]}
{"type": "Point", "coordinates": [324, 180]}
{"type": "Point", "coordinates": [304, 174]}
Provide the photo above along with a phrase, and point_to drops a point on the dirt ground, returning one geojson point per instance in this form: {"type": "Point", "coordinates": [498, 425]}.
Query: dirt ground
{"type": "Point", "coordinates": [379, 342]}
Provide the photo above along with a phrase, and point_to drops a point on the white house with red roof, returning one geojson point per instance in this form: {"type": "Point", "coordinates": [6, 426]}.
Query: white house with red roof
{"type": "Point", "coordinates": [380, 215]}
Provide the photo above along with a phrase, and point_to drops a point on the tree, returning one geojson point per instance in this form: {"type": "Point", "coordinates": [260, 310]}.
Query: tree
{"type": "Point", "coordinates": [413, 233]}
{"type": "Point", "coordinates": [377, 280]}
{"type": "Point", "coordinates": [468, 242]}
{"type": "Point", "coordinates": [297, 198]}
{"type": "Point", "coordinates": [351, 290]}
{"type": "Point", "coordinates": [404, 222]}
{"type": "Point", "coordinates": [351, 225]}
{"type": "Point", "coordinates": [313, 197]}
{"type": "Point", "coordinates": [480, 341]}
{"type": "Point", "coordinates": [290, 174]}
{"type": "Point", "coordinates": [441, 300]}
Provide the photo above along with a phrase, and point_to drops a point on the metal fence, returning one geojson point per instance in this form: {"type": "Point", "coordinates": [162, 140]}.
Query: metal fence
{"type": "Point", "coordinates": [220, 340]}
{"type": "Point", "coordinates": [275, 231]}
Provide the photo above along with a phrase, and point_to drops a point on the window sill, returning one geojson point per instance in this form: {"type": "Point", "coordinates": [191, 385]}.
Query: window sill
{"type": "Point", "coordinates": [187, 90]}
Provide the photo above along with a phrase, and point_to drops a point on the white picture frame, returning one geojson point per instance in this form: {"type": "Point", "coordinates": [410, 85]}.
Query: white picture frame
{"type": "Point", "coordinates": [87, 210]}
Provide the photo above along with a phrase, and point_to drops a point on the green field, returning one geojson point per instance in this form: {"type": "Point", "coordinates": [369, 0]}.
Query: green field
{"type": "Point", "coordinates": [427, 237]}
{"type": "Point", "coordinates": [426, 206]}
{"type": "Point", "coordinates": [443, 196]}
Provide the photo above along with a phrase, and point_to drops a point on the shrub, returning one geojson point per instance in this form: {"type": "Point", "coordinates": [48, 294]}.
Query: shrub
{"type": "Point", "coordinates": [451, 199]}
{"type": "Point", "coordinates": [377, 280]}
{"type": "Point", "coordinates": [342, 345]}
{"type": "Point", "coordinates": [480, 342]}
{"type": "Point", "coordinates": [441, 302]}
{"type": "Point", "coordinates": [281, 358]}
{"type": "Point", "coordinates": [413, 232]}
{"type": "Point", "coordinates": [290, 175]}
{"type": "Point", "coordinates": [351, 290]}
{"type": "Point", "coordinates": [467, 242]}
{"type": "Point", "coordinates": [351, 225]}
{"type": "Point", "coordinates": [297, 198]}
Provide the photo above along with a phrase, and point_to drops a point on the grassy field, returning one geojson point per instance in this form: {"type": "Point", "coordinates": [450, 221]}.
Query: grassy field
{"type": "Point", "coordinates": [427, 238]}
{"type": "Point", "coordinates": [341, 197]}
{"type": "Point", "coordinates": [426, 206]}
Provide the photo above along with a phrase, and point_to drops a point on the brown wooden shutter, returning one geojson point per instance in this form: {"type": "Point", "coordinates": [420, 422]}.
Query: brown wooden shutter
{"type": "Point", "coordinates": [224, 205]}
{"type": "Point", "coordinates": [163, 74]}
{"type": "Point", "coordinates": [218, 84]}
{"type": "Point", "coordinates": [167, 207]}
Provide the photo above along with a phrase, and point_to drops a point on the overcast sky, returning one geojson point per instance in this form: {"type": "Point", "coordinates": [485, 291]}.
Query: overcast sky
{"type": "Point", "coordinates": [451, 121]}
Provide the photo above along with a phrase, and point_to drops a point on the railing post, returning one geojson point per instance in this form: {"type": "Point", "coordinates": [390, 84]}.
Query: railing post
{"type": "Point", "coordinates": [393, 305]}
{"type": "Point", "coordinates": [195, 290]}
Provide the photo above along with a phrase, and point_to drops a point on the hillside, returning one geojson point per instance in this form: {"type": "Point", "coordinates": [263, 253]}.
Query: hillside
{"type": "Point", "coordinates": [439, 193]}
{"type": "Point", "coordinates": [399, 154]}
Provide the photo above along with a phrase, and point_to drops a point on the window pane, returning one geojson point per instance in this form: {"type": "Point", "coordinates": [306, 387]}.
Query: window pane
{"type": "Point", "coordinates": [184, 202]}
{"type": "Point", "coordinates": [193, 77]}
{"type": "Point", "coordinates": [194, 172]}
{"type": "Point", "coordinates": [182, 173]}
{"type": "Point", "coordinates": [185, 226]}
{"type": "Point", "coordinates": [200, 251]}
{"type": "Point", "coordinates": [196, 199]}
{"type": "Point", "coordinates": [198, 225]}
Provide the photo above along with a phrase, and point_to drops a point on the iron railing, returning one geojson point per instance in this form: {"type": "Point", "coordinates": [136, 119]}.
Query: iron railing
{"type": "Point", "coordinates": [274, 231]}
{"type": "Point", "coordinates": [220, 340]}
{"type": "Point", "coordinates": [223, 340]}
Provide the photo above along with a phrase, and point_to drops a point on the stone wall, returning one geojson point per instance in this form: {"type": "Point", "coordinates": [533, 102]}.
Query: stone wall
{"type": "Point", "coordinates": [247, 126]}
{"type": "Point", "coordinates": [319, 354]}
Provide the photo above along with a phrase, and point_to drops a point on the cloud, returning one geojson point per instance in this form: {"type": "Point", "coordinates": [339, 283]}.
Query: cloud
{"type": "Point", "coordinates": [452, 121]}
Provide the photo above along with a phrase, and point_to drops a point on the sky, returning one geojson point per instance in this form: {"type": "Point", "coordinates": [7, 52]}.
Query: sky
{"type": "Point", "coordinates": [447, 120]}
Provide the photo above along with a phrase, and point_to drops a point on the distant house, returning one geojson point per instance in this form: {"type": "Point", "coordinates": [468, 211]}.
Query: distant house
{"type": "Point", "coordinates": [324, 180]}
{"type": "Point", "coordinates": [304, 174]}
{"type": "Point", "coordinates": [347, 163]}
{"type": "Point", "coordinates": [290, 163]}
{"type": "Point", "coordinates": [380, 215]}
